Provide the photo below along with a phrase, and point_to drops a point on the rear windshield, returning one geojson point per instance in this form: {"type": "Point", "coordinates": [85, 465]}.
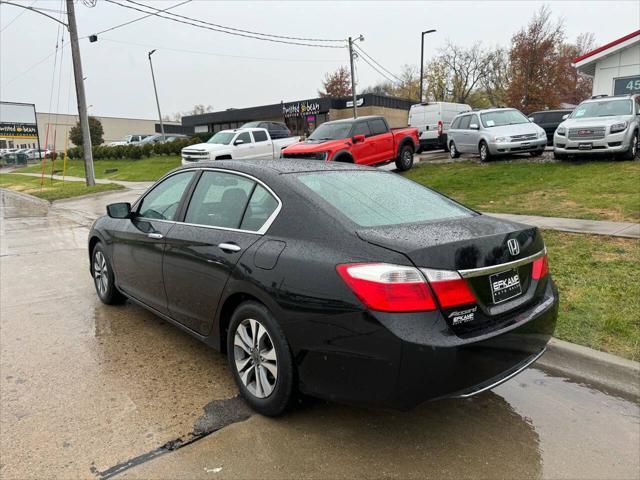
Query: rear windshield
{"type": "Point", "coordinates": [372, 199]}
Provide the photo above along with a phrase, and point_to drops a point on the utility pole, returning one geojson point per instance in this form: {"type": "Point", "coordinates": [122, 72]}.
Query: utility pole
{"type": "Point", "coordinates": [153, 77]}
{"type": "Point", "coordinates": [82, 101]}
{"type": "Point", "coordinates": [353, 77]}
{"type": "Point", "coordinates": [422, 60]}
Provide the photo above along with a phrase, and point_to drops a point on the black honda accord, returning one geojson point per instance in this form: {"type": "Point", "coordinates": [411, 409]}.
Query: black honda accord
{"type": "Point", "coordinates": [337, 281]}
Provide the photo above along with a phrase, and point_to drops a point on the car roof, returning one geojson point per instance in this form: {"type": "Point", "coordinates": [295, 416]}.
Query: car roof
{"type": "Point", "coordinates": [364, 118]}
{"type": "Point", "coordinates": [280, 166]}
{"type": "Point", "coordinates": [553, 111]}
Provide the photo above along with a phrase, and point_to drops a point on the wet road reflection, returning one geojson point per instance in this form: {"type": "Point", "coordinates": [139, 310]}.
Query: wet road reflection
{"type": "Point", "coordinates": [85, 387]}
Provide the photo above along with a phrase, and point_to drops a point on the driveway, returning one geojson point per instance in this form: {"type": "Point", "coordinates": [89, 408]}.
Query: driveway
{"type": "Point", "coordinates": [91, 391]}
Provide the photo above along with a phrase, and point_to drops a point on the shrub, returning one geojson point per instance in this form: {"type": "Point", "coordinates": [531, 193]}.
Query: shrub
{"type": "Point", "coordinates": [135, 152]}
{"type": "Point", "coordinates": [147, 150]}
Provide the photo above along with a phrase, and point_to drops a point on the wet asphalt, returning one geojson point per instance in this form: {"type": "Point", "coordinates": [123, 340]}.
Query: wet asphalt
{"type": "Point", "coordinates": [92, 391]}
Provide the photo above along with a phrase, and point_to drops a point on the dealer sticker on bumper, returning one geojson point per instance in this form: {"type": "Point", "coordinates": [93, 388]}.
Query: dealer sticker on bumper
{"type": "Point", "coordinates": [505, 285]}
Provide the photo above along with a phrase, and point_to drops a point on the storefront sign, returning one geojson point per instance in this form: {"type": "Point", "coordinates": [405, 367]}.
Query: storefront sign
{"type": "Point", "coordinates": [18, 130]}
{"type": "Point", "coordinates": [626, 85]}
{"type": "Point", "coordinates": [359, 103]}
{"type": "Point", "coordinates": [300, 109]}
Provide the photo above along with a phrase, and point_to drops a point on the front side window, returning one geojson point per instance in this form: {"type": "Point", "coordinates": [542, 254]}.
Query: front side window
{"type": "Point", "coordinates": [219, 200]}
{"type": "Point", "coordinates": [162, 202]}
{"type": "Point", "coordinates": [371, 199]}
{"type": "Point", "coordinates": [244, 137]}
{"type": "Point", "coordinates": [260, 136]}
{"type": "Point", "coordinates": [362, 128]}
{"type": "Point", "coordinates": [501, 118]}
{"type": "Point", "coordinates": [474, 120]}
{"type": "Point", "coordinates": [604, 108]}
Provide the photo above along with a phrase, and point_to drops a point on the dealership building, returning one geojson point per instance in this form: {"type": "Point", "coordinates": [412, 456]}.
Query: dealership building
{"type": "Point", "coordinates": [614, 67]}
{"type": "Point", "coordinates": [303, 116]}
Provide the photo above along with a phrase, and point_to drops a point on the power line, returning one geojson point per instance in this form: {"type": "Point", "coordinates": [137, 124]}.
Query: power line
{"type": "Point", "coordinates": [31, 67]}
{"type": "Point", "coordinates": [225, 31]}
{"type": "Point", "coordinates": [378, 64]}
{"type": "Point", "coordinates": [141, 18]}
{"type": "Point", "coordinates": [200, 52]}
{"type": "Point", "coordinates": [378, 70]}
{"type": "Point", "coordinates": [17, 16]}
{"type": "Point", "coordinates": [242, 30]}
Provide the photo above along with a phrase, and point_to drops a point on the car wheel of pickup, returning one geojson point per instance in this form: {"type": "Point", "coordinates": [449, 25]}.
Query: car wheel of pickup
{"type": "Point", "coordinates": [405, 160]}
{"type": "Point", "coordinates": [260, 359]}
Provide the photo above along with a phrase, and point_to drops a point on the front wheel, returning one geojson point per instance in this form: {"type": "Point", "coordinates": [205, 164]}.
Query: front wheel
{"type": "Point", "coordinates": [260, 359]}
{"type": "Point", "coordinates": [485, 155]}
{"type": "Point", "coordinates": [537, 153]}
{"type": "Point", "coordinates": [405, 160]}
{"type": "Point", "coordinates": [632, 152]}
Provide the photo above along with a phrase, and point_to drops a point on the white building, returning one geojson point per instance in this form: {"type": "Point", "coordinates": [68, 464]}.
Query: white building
{"type": "Point", "coordinates": [615, 67]}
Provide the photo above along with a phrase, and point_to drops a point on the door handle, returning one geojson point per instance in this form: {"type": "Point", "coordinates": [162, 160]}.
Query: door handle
{"type": "Point", "coordinates": [229, 247]}
{"type": "Point", "coordinates": [155, 236]}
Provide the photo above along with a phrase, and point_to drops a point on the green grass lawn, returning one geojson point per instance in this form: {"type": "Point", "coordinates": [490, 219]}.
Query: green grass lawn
{"type": "Point", "coordinates": [145, 169]}
{"type": "Point", "coordinates": [599, 282]}
{"type": "Point", "coordinates": [594, 190]}
{"type": "Point", "coordinates": [51, 190]}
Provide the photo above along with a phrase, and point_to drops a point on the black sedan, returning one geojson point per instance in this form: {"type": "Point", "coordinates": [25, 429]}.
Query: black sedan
{"type": "Point", "coordinates": [337, 281]}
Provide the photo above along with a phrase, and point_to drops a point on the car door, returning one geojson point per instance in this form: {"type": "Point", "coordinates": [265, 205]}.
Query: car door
{"type": "Point", "coordinates": [227, 213]}
{"type": "Point", "coordinates": [243, 146]}
{"type": "Point", "coordinates": [263, 144]}
{"type": "Point", "coordinates": [363, 152]}
{"type": "Point", "coordinates": [473, 134]}
{"type": "Point", "coordinates": [139, 242]}
{"type": "Point", "coordinates": [462, 142]}
{"type": "Point", "coordinates": [381, 140]}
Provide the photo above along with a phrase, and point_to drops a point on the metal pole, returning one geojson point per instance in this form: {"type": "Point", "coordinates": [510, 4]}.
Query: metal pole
{"type": "Point", "coordinates": [422, 60]}
{"type": "Point", "coordinates": [353, 79]}
{"type": "Point", "coordinates": [82, 101]}
{"type": "Point", "coordinates": [153, 77]}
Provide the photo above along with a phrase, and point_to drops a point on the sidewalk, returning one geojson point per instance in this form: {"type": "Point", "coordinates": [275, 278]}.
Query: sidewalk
{"type": "Point", "coordinates": [594, 227]}
{"type": "Point", "coordinates": [130, 185]}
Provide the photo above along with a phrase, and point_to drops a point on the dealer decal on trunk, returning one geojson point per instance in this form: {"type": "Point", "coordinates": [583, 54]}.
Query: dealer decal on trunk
{"type": "Point", "coordinates": [463, 316]}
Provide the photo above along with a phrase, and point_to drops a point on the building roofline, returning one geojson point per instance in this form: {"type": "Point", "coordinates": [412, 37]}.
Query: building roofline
{"type": "Point", "coordinates": [606, 47]}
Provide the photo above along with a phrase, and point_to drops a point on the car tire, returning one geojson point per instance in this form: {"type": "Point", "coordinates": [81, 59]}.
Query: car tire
{"type": "Point", "coordinates": [483, 150]}
{"type": "Point", "coordinates": [103, 277]}
{"type": "Point", "coordinates": [559, 156]}
{"type": "Point", "coordinates": [453, 151]}
{"type": "Point", "coordinates": [405, 159]}
{"type": "Point", "coordinates": [632, 152]}
{"type": "Point", "coordinates": [257, 344]}
{"type": "Point", "coordinates": [537, 153]}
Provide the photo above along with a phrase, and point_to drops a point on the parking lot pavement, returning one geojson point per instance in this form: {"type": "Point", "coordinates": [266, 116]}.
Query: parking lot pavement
{"type": "Point", "coordinates": [91, 391]}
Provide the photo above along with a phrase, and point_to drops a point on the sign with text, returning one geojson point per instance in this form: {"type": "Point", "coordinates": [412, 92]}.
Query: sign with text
{"type": "Point", "coordinates": [18, 120]}
{"type": "Point", "coordinates": [622, 86]}
{"type": "Point", "coordinates": [300, 109]}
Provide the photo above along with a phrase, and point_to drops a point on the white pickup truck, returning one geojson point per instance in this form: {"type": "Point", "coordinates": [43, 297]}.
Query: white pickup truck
{"type": "Point", "coordinates": [238, 144]}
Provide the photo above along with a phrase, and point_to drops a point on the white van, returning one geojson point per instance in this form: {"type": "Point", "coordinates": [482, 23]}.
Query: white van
{"type": "Point", "coordinates": [432, 119]}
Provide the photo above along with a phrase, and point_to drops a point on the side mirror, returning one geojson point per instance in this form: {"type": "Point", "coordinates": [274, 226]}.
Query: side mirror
{"type": "Point", "coordinates": [565, 116]}
{"type": "Point", "coordinates": [119, 210]}
{"type": "Point", "coordinates": [238, 142]}
{"type": "Point", "coordinates": [531, 120]}
{"type": "Point", "coordinates": [358, 138]}
{"type": "Point", "coordinates": [474, 126]}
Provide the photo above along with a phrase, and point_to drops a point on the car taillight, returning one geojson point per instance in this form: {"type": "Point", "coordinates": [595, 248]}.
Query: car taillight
{"type": "Point", "coordinates": [439, 127]}
{"type": "Point", "coordinates": [388, 288]}
{"type": "Point", "coordinates": [540, 268]}
{"type": "Point", "coordinates": [450, 288]}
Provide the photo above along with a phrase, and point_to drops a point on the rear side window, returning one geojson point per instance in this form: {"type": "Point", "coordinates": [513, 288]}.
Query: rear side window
{"type": "Point", "coordinates": [260, 136]}
{"type": "Point", "coordinates": [362, 128]}
{"type": "Point", "coordinates": [371, 199]}
{"type": "Point", "coordinates": [464, 122]}
{"type": "Point", "coordinates": [219, 200]}
{"type": "Point", "coordinates": [377, 126]}
{"type": "Point", "coordinates": [456, 123]}
{"type": "Point", "coordinates": [539, 117]}
{"type": "Point", "coordinates": [260, 208]}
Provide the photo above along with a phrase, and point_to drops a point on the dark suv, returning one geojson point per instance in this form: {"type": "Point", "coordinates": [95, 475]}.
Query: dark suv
{"type": "Point", "coordinates": [275, 129]}
{"type": "Point", "coordinates": [549, 120]}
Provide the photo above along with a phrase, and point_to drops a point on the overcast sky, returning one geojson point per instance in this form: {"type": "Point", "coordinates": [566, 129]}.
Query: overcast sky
{"type": "Point", "coordinates": [231, 71]}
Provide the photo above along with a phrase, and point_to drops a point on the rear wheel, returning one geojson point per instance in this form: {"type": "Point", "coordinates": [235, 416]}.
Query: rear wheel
{"type": "Point", "coordinates": [103, 277]}
{"type": "Point", "coordinates": [453, 151]}
{"type": "Point", "coordinates": [405, 160]}
{"type": "Point", "coordinates": [632, 152]}
{"type": "Point", "coordinates": [485, 155]}
{"type": "Point", "coordinates": [260, 359]}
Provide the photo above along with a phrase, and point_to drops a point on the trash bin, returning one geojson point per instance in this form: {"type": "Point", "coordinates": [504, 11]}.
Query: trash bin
{"type": "Point", "coordinates": [21, 159]}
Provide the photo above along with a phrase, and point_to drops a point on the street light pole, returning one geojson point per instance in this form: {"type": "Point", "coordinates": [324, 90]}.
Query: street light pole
{"type": "Point", "coordinates": [422, 59]}
{"type": "Point", "coordinates": [153, 77]}
{"type": "Point", "coordinates": [353, 77]}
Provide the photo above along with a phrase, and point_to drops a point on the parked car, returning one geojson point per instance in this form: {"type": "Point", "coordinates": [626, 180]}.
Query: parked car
{"type": "Point", "coordinates": [157, 138]}
{"type": "Point", "coordinates": [238, 144]}
{"type": "Point", "coordinates": [275, 129]}
{"type": "Point", "coordinates": [343, 282]}
{"type": "Point", "coordinates": [549, 121]}
{"type": "Point", "coordinates": [128, 140]}
{"type": "Point", "coordinates": [365, 141]}
{"type": "Point", "coordinates": [493, 132]}
{"type": "Point", "coordinates": [601, 125]}
{"type": "Point", "coordinates": [433, 120]}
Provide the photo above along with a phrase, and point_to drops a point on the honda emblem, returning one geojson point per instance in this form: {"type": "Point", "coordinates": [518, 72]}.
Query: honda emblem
{"type": "Point", "coordinates": [514, 246]}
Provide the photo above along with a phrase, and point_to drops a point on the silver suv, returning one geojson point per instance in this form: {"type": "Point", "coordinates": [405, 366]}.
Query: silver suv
{"type": "Point", "coordinates": [600, 125]}
{"type": "Point", "coordinates": [495, 131]}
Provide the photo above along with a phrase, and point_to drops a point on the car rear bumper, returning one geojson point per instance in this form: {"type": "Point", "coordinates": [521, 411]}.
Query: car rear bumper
{"type": "Point", "coordinates": [415, 357]}
{"type": "Point", "coordinates": [517, 147]}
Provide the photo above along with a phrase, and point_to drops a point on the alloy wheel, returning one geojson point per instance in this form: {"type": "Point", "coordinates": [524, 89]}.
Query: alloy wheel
{"type": "Point", "coordinates": [255, 358]}
{"type": "Point", "coordinates": [452, 150]}
{"type": "Point", "coordinates": [483, 152]}
{"type": "Point", "coordinates": [407, 156]}
{"type": "Point", "coordinates": [634, 146]}
{"type": "Point", "coordinates": [100, 273]}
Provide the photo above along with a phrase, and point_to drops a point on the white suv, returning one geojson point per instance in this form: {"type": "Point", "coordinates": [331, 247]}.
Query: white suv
{"type": "Point", "coordinates": [600, 125]}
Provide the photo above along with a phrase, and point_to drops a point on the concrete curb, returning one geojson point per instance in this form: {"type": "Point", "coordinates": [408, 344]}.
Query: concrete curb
{"type": "Point", "coordinates": [598, 368]}
{"type": "Point", "coordinates": [25, 196]}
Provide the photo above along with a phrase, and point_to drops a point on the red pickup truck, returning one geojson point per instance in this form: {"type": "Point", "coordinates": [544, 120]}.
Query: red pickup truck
{"type": "Point", "coordinates": [364, 140]}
